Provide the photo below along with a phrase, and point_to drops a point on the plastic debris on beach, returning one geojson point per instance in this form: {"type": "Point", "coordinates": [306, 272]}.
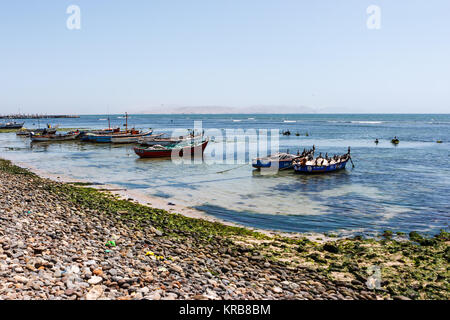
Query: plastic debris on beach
{"type": "Point", "coordinates": [110, 243]}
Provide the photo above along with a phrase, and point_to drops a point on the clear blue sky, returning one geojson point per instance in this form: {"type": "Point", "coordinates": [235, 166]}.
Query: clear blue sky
{"type": "Point", "coordinates": [133, 55]}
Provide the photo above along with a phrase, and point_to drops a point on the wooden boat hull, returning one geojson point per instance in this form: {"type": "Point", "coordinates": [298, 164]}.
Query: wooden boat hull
{"type": "Point", "coordinates": [126, 139]}
{"type": "Point", "coordinates": [157, 140]}
{"type": "Point", "coordinates": [273, 164]}
{"type": "Point", "coordinates": [167, 153]}
{"type": "Point", "coordinates": [114, 138]}
{"type": "Point", "coordinates": [47, 138]}
{"type": "Point", "coordinates": [320, 169]}
{"type": "Point", "coordinates": [27, 132]}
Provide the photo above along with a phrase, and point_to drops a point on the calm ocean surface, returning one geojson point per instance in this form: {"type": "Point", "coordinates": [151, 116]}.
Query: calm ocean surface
{"type": "Point", "coordinates": [401, 188]}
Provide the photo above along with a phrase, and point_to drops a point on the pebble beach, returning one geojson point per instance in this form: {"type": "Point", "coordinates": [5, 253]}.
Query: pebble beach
{"type": "Point", "coordinates": [68, 241]}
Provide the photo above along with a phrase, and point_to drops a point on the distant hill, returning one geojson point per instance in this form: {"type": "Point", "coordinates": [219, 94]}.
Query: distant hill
{"type": "Point", "coordinates": [226, 110]}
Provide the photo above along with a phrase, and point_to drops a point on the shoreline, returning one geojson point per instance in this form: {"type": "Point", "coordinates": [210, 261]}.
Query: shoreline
{"type": "Point", "coordinates": [162, 203]}
{"type": "Point", "coordinates": [63, 241]}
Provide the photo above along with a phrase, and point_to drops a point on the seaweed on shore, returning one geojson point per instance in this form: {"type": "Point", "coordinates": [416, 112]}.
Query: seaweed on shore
{"type": "Point", "coordinates": [415, 268]}
{"type": "Point", "coordinates": [144, 216]}
{"type": "Point", "coordinates": [7, 166]}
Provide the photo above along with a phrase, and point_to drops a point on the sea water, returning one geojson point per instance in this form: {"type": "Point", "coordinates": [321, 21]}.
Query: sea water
{"type": "Point", "coordinates": [401, 188]}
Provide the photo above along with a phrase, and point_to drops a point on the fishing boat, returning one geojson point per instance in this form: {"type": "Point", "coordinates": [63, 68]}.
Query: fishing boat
{"type": "Point", "coordinates": [99, 131]}
{"type": "Point", "coordinates": [159, 151]}
{"type": "Point", "coordinates": [165, 141]}
{"type": "Point", "coordinates": [116, 135]}
{"type": "Point", "coordinates": [54, 137]}
{"type": "Point", "coordinates": [108, 130]}
{"type": "Point", "coordinates": [279, 161]}
{"type": "Point", "coordinates": [129, 136]}
{"type": "Point", "coordinates": [321, 165]}
{"type": "Point", "coordinates": [11, 125]}
{"type": "Point", "coordinates": [27, 132]}
{"type": "Point", "coordinates": [49, 129]}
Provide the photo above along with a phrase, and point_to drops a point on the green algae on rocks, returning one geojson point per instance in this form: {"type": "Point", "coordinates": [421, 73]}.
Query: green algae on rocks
{"type": "Point", "coordinates": [415, 267]}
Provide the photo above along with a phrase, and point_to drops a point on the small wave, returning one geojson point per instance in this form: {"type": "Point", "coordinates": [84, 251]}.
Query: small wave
{"type": "Point", "coordinates": [102, 119]}
{"type": "Point", "coordinates": [367, 122]}
{"type": "Point", "coordinates": [289, 121]}
{"type": "Point", "coordinates": [438, 122]}
{"type": "Point", "coordinates": [234, 120]}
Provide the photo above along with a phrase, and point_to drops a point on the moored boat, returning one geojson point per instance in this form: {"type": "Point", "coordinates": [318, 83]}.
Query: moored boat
{"type": "Point", "coordinates": [165, 141]}
{"type": "Point", "coordinates": [159, 151]}
{"type": "Point", "coordinates": [129, 136]}
{"type": "Point", "coordinates": [278, 161]}
{"type": "Point", "coordinates": [321, 164]}
{"type": "Point", "coordinates": [132, 137]}
{"type": "Point", "coordinates": [319, 169]}
{"type": "Point", "coordinates": [27, 132]}
{"type": "Point", "coordinates": [54, 137]}
{"type": "Point", "coordinates": [115, 136]}
{"type": "Point", "coordinates": [11, 125]}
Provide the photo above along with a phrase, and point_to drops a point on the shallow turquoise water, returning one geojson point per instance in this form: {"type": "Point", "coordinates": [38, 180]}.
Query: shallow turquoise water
{"type": "Point", "coordinates": [402, 188]}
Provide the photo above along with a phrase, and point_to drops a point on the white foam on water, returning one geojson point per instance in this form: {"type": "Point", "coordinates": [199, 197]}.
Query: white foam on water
{"type": "Point", "coordinates": [368, 122]}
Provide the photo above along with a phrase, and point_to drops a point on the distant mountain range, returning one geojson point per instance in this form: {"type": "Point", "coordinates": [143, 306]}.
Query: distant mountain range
{"type": "Point", "coordinates": [227, 110]}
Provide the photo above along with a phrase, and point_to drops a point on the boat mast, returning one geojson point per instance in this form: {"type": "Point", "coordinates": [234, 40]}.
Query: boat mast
{"type": "Point", "coordinates": [109, 118]}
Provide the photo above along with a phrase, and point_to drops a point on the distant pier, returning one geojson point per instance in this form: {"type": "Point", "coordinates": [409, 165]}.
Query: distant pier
{"type": "Point", "coordinates": [37, 116]}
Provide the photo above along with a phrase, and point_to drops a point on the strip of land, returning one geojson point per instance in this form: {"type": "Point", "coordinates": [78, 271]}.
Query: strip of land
{"type": "Point", "coordinates": [67, 241]}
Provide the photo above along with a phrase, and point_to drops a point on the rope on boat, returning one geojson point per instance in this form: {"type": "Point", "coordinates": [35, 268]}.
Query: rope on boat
{"type": "Point", "coordinates": [231, 168]}
{"type": "Point", "coordinates": [353, 165]}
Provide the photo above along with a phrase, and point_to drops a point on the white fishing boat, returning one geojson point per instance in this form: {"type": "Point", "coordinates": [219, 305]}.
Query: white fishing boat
{"type": "Point", "coordinates": [165, 141]}
{"type": "Point", "coordinates": [54, 137]}
{"type": "Point", "coordinates": [132, 137]}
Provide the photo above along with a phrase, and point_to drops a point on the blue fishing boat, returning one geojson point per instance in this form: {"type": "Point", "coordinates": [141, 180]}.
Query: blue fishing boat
{"type": "Point", "coordinates": [130, 136]}
{"type": "Point", "coordinates": [322, 164]}
{"type": "Point", "coordinates": [278, 161]}
{"type": "Point", "coordinates": [319, 169]}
